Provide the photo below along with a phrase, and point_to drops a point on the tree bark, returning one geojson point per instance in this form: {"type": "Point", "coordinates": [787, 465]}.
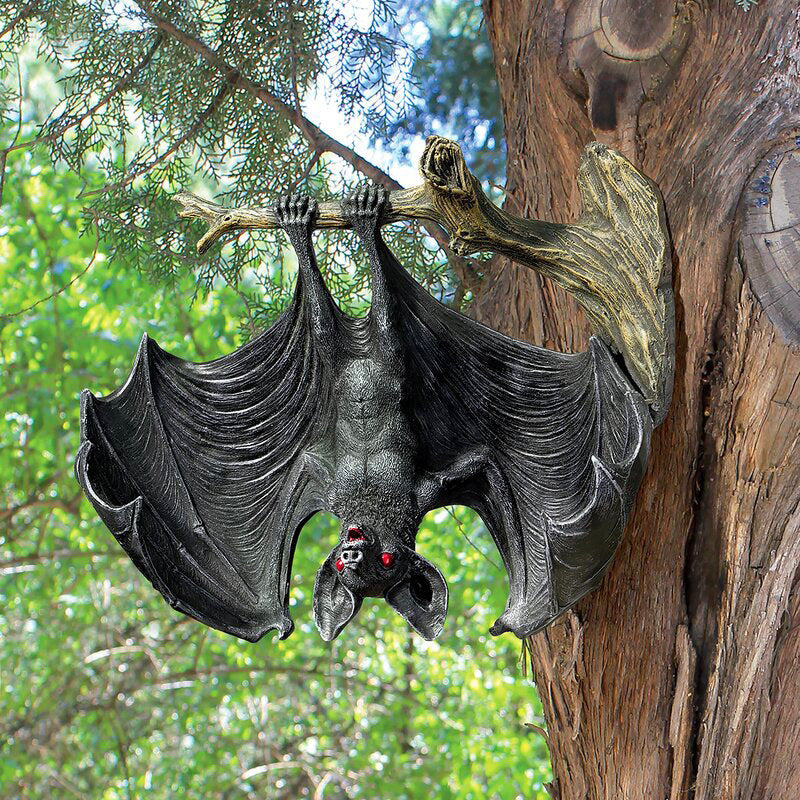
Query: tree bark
{"type": "Point", "coordinates": [680, 676]}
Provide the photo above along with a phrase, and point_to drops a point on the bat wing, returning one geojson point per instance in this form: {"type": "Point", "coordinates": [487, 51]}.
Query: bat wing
{"type": "Point", "coordinates": [567, 438]}
{"type": "Point", "coordinates": [198, 471]}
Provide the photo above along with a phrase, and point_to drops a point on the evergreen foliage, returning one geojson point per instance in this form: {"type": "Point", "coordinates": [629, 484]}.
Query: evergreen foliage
{"type": "Point", "coordinates": [108, 694]}
{"type": "Point", "coordinates": [214, 97]}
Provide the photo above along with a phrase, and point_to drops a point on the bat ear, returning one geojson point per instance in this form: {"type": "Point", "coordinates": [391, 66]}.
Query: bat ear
{"type": "Point", "coordinates": [421, 597]}
{"type": "Point", "coordinates": [334, 604]}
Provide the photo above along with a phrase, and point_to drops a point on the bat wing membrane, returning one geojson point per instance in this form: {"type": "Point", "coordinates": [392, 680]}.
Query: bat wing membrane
{"type": "Point", "coordinates": [198, 471]}
{"type": "Point", "coordinates": [568, 436]}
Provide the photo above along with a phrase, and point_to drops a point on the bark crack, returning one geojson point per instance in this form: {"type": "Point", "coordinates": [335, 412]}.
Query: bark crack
{"type": "Point", "coordinates": [702, 559]}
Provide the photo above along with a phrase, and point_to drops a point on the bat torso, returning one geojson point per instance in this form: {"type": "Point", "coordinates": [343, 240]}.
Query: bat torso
{"type": "Point", "coordinates": [374, 449]}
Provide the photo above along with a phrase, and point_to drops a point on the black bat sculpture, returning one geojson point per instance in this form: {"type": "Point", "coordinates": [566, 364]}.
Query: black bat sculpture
{"type": "Point", "coordinates": [206, 473]}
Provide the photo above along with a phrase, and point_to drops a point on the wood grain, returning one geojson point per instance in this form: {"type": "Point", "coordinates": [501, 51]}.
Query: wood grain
{"type": "Point", "coordinates": [614, 259]}
{"type": "Point", "coordinates": [712, 545]}
{"type": "Point", "coordinates": [770, 236]}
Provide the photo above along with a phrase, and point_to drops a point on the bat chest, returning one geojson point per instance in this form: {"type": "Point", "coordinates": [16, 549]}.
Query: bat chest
{"type": "Point", "coordinates": [373, 438]}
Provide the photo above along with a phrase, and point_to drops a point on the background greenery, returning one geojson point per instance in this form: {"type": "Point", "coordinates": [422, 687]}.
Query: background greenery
{"type": "Point", "coordinates": [105, 692]}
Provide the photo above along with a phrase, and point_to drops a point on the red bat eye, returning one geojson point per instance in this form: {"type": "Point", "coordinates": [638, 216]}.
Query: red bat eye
{"type": "Point", "coordinates": [339, 564]}
{"type": "Point", "coordinates": [387, 559]}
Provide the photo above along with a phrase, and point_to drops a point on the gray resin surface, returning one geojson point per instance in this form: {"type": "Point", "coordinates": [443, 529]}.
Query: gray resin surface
{"type": "Point", "coordinates": [206, 473]}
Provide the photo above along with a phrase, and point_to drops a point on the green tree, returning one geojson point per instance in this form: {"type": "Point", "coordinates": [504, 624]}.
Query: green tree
{"type": "Point", "coordinates": [105, 691]}
{"type": "Point", "coordinates": [678, 677]}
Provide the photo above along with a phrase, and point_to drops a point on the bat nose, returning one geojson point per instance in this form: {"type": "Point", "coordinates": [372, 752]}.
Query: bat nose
{"type": "Point", "coordinates": [352, 557]}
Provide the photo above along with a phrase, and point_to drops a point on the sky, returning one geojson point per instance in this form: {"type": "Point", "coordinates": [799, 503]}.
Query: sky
{"type": "Point", "coordinates": [323, 109]}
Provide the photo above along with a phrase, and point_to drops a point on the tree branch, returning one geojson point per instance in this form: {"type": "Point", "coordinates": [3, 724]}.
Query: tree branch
{"type": "Point", "coordinates": [26, 11]}
{"type": "Point", "coordinates": [60, 130]}
{"type": "Point", "coordinates": [190, 133]}
{"type": "Point", "coordinates": [7, 150]}
{"type": "Point", "coordinates": [70, 506]}
{"type": "Point", "coordinates": [319, 141]}
{"type": "Point", "coordinates": [615, 259]}
{"type": "Point", "coordinates": [52, 294]}
{"type": "Point", "coordinates": [317, 138]}
{"type": "Point", "coordinates": [32, 559]}
{"type": "Point", "coordinates": [403, 204]}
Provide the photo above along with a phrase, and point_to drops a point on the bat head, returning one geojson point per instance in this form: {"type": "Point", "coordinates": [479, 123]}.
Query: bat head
{"type": "Point", "coordinates": [371, 564]}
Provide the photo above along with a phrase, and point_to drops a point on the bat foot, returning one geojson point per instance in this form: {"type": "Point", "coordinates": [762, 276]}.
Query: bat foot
{"type": "Point", "coordinates": [363, 208]}
{"type": "Point", "coordinates": [296, 213]}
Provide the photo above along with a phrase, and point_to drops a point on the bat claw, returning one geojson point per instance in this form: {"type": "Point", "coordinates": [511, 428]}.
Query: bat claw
{"type": "Point", "coordinates": [363, 208]}
{"type": "Point", "coordinates": [296, 213]}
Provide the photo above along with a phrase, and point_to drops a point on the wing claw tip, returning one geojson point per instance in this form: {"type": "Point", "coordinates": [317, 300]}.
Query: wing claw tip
{"type": "Point", "coordinates": [522, 624]}
{"type": "Point", "coordinates": [255, 633]}
{"type": "Point", "coordinates": [432, 634]}
{"type": "Point", "coordinates": [285, 628]}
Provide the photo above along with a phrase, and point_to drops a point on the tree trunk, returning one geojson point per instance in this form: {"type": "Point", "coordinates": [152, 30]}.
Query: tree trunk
{"type": "Point", "coordinates": [680, 676]}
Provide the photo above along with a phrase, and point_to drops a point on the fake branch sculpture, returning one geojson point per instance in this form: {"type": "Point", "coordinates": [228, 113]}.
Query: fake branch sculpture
{"type": "Point", "coordinates": [206, 473]}
{"type": "Point", "coordinates": [615, 259]}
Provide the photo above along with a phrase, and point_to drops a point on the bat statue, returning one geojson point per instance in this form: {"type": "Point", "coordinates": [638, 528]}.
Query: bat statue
{"type": "Point", "coordinates": [206, 473]}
